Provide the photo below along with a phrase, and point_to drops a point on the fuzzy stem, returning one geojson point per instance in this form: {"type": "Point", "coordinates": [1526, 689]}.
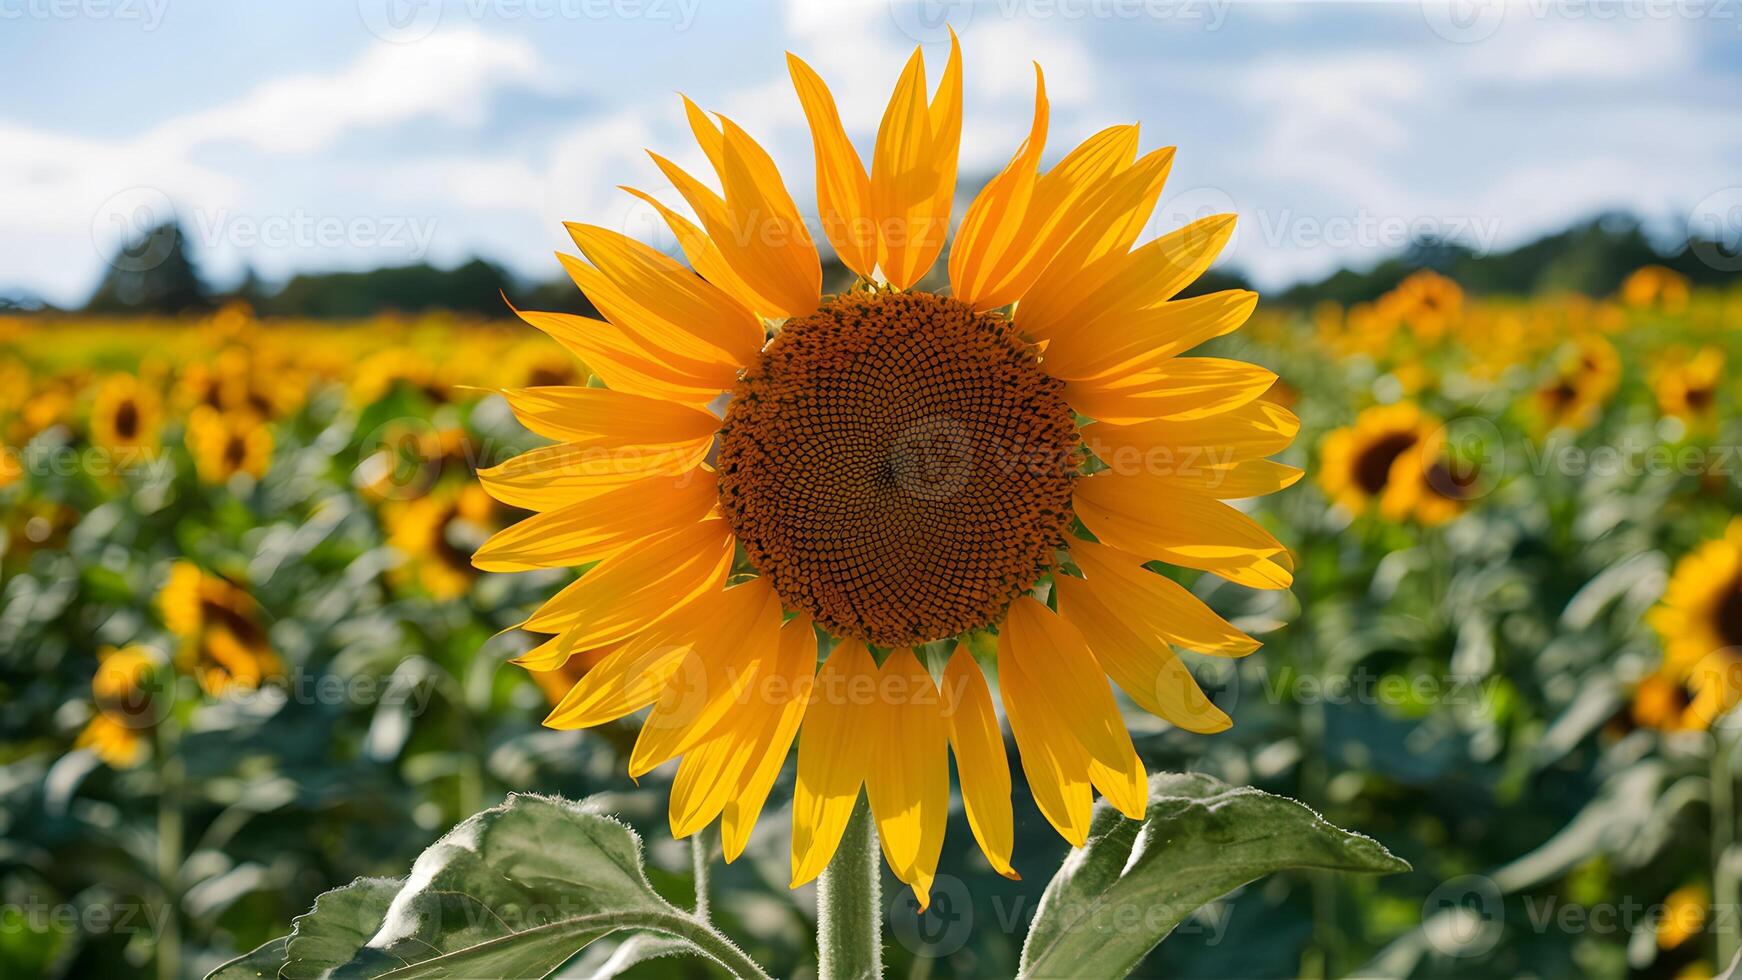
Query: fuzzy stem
{"type": "Point", "coordinates": [850, 905]}
{"type": "Point", "coordinates": [701, 848]}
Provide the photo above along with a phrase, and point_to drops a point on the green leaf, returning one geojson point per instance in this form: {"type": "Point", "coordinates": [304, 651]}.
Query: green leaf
{"type": "Point", "coordinates": [514, 891]}
{"type": "Point", "coordinates": [341, 923]}
{"type": "Point", "coordinates": [1119, 895]}
{"type": "Point", "coordinates": [262, 962]}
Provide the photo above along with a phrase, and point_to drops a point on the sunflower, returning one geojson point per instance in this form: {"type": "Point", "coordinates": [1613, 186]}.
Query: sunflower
{"type": "Point", "coordinates": [1426, 302]}
{"type": "Point", "coordinates": [1656, 287]}
{"type": "Point", "coordinates": [541, 365]}
{"type": "Point", "coordinates": [412, 458]}
{"type": "Point", "coordinates": [898, 470]}
{"type": "Point", "coordinates": [1687, 387]}
{"type": "Point", "coordinates": [437, 534]}
{"type": "Point", "coordinates": [224, 644]}
{"type": "Point", "coordinates": [49, 404]}
{"type": "Point", "coordinates": [121, 689]}
{"type": "Point", "coordinates": [402, 369]}
{"type": "Point", "coordinates": [125, 414]}
{"type": "Point", "coordinates": [227, 443]}
{"type": "Point", "coordinates": [1584, 378]}
{"type": "Point", "coordinates": [1689, 698]}
{"type": "Point", "coordinates": [1701, 610]}
{"type": "Point", "coordinates": [1379, 462]}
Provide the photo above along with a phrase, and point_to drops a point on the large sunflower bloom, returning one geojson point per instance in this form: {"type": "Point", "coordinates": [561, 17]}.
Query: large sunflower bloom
{"type": "Point", "coordinates": [897, 469]}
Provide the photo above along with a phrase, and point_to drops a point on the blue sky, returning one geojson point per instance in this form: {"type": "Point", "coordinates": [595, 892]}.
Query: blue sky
{"type": "Point", "coordinates": [329, 134]}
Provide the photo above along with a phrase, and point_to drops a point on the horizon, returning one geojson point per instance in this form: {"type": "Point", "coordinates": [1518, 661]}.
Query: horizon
{"type": "Point", "coordinates": [437, 132]}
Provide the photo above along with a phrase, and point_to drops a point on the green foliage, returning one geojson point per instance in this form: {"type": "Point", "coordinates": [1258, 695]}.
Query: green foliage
{"type": "Point", "coordinates": [1134, 881]}
{"type": "Point", "coordinates": [515, 891]}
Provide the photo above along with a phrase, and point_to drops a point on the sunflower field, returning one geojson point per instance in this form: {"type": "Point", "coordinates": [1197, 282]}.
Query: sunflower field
{"type": "Point", "coordinates": [247, 657]}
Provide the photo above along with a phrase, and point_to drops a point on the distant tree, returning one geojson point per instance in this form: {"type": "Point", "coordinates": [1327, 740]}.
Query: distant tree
{"type": "Point", "coordinates": [151, 273]}
{"type": "Point", "coordinates": [475, 287]}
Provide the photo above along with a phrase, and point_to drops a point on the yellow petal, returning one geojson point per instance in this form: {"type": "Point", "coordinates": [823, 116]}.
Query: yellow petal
{"type": "Point", "coordinates": [772, 250]}
{"type": "Point", "coordinates": [843, 188]}
{"type": "Point", "coordinates": [1140, 516]}
{"type": "Point", "coordinates": [981, 766]}
{"type": "Point", "coordinates": [1152, 602]}
{"type": "Point", "coordinates": [602, 417]}
{"type": "Point", "coordinates": [557, 476]}
{"type": "Point", "coordinates": [1095, 250]}
{"type": "Point", "coordinates": [913, 171]}
{"type": "Point", "coordinates": [1052, 655]}
{"type": "Point", "coordinates": [988, 254]}
{"type": "Point", "coordinates": [797, 664]}
{"type": "Point", "coordinates": [908, 781]}
{"type": "Point", "coordinates": [631, 676]}
{"type": "Point", "coordinates": [1140, 663]}
{"type": "Point", "coordinates": [705, 780]}
{"type": "Point", "coordinates": [634, 589]}
{"type": "Point", "coordinates": [705, 257]}
{"type": "Point", "coordinates": [600, 526]}
{"type": "Point", "coordinates": [659, 301]}
{"type": "Point", "coordinates": [1144, 338]}
{"type": "Point", "coordinates": [1056, 211]}
{"type": "Point", "coordinates": [555, 653]}
{"type": "Point", "coordinates": [1181, 388]}
{"type": "Point", "coordinates": [721, 672]}
{"type": "Point", "coordinates": [1053, 759]}
{"type": "Point", "coordinates": [833, 754]}
{"type": "Point", "coordinates": [1251, 431]}
{"type": "Point", "coordinates": [1117, 288]}
{"type": "Point", "coordinates": [623, 364]}
{"type": "Point", "coordinates": [753, 222]}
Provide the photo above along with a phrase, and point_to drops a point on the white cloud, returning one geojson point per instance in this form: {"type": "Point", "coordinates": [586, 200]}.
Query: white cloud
{"type": "Point", "coordinates": [450, 75]}
{"type": "Point", "coordinates": [73, 190]}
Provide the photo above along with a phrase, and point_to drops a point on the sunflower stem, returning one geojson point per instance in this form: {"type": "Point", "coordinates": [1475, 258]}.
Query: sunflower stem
{"type": "Point", "coordinates": [1726, 891]}
{"type": "Point", "coordinates": [701, 848]}
{"type": "Point", "coordinates": [170, 832]}
{"type": "Point", "coordinates": [850, 904]}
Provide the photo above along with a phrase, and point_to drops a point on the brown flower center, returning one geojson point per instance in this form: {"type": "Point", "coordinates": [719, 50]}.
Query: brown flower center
{"type": "Point", "coordinates": [1373, 464]}
{"type": "Point", "coordinates": [1729, 615]}
{"type": "Point", "coordinates": [127, 419]}
{"type": "Point", "coordinates": [898, 466]}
